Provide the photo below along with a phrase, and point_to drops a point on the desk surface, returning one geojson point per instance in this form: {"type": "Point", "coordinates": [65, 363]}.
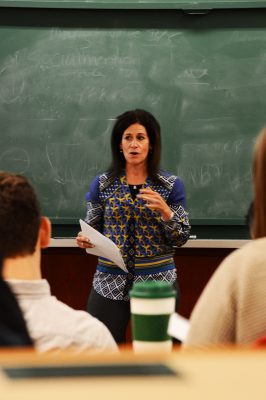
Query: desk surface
{"type": "Point", "coordinates": [209, 374]}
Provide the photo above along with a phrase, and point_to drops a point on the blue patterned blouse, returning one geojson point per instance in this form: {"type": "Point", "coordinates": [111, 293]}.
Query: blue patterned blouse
{"type": "Point", "coordinates": [145, 240]}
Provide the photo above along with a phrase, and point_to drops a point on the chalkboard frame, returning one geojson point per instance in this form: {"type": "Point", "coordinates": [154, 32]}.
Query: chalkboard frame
{"type": "Point", "coordinates": [188, 5]}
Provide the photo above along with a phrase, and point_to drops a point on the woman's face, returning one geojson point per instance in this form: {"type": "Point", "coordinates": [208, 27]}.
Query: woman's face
{"type": "Point", "coordinates": [135, 144]}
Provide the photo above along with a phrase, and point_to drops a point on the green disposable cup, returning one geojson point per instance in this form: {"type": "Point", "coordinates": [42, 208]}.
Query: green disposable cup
{"type": "Point", "coordinates": [151, 304]}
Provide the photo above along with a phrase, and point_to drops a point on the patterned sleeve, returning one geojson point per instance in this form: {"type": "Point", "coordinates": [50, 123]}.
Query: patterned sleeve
{"type": "Point", "coordinates": [177, 229]}
{"type": "Point", "coordinates": [95, 209]}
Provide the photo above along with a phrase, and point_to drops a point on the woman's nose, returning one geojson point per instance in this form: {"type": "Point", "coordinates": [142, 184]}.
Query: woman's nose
{"type": "Point", "coordinates": [134, 143]}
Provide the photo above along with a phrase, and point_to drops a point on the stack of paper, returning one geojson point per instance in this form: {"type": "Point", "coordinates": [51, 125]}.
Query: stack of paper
{"type": "Point", "coordinates": [104, 247]}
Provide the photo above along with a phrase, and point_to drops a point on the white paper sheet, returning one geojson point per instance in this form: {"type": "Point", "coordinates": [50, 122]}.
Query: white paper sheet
{"type": "Point", "coordinates": [104, 247]}
{"type": "Point", "coordinates": [178, 327]}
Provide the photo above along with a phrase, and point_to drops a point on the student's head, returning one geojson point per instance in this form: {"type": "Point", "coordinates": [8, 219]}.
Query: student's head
{"type": "Point", "coordinates": [20, 219]}
{"type": "Point", "coordinates": [153, 130]}
{"type": "Point", "coordinates": [259, 181]}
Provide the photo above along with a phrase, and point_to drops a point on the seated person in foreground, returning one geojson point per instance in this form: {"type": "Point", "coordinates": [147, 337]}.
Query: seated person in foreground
{"type": "Point", "coordinates": [232, 307]}
{"type": "Point", "coordinates": [51, 323]}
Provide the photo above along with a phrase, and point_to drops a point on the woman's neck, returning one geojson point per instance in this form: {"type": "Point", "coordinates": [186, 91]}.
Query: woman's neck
{"type": "Point", "coordinates": [136, 175]}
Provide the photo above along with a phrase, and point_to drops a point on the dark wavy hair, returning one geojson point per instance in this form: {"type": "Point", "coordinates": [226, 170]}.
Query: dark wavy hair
{"type": "Point", "coordinates": [153, 129]}
{"type": "Point", "coordinates": [19, 216]}
{"type": "Point", "coordinates": [259, 181]}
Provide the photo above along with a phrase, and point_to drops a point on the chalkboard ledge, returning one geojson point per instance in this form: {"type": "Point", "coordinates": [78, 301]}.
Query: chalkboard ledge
{"type": "Point", "coordinates": [193, 243]}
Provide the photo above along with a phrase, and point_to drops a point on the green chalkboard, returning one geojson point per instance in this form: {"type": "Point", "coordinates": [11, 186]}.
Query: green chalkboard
{"type": "Point", "coordinates": [66, 74]}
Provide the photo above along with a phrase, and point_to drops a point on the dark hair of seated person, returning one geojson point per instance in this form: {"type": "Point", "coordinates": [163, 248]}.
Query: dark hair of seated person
{"type": "Point", "coordinates": [13, 330]}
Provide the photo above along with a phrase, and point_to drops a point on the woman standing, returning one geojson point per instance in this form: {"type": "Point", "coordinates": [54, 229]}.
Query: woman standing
{"type": "Point", "coordinates": [142, 210]}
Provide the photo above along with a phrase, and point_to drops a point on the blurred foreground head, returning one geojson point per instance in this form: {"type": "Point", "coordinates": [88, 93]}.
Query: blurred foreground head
{"type": "Point", "coordinates": [19, 216]}
{"type": "Point", "coordinates": [259, 182]}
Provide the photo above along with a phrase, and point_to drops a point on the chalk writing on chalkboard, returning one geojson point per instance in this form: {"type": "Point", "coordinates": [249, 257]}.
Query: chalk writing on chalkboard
{"type": "Point", "coordinates": [62, 85]}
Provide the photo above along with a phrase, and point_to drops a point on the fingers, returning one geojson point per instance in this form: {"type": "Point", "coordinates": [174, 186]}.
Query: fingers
{"type": "Point", "coordinates": [147, 191]}
{"type": "Point", "coordinates": [152, 198]}
{"type": "Point", "coordinates": [146, 194]}
{"type": "Point", "coordinates": [83, 241]}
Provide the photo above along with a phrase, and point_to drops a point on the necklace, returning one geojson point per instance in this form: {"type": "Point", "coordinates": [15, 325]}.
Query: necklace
{"type": "Point", "coordinates": [135, 187]}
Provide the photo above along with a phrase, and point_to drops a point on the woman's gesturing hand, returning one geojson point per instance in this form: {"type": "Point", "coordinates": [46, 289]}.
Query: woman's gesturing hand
{"type": "Point", "coordinates": [83, 241]}
{"type": "Point", "coordinates": [154, 201]}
